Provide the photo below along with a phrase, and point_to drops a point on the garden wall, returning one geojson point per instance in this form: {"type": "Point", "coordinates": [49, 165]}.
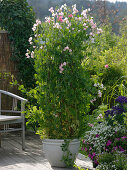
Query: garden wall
{"type": "Point", "coordinates": [7, 68]}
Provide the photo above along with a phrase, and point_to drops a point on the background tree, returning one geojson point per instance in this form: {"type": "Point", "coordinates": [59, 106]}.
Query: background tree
{"type": "Point", "coordinates": [17, 17]}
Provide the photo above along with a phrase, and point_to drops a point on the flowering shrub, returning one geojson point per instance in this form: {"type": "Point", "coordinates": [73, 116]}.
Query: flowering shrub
{"type": "Point", "coordinates": [115, 161]}
{"type": "Point", "coordinates": [117, 113]}
{"type": "Point", "coordinates": [104, 138]}
{"type": "Point", "coordinates": [64, 86]}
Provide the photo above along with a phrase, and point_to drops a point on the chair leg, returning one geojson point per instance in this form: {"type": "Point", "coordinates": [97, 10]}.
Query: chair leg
{"type": "Point", "coordinates": [0, 140]}
{"type": "Point", "coordinates": [23, 136]}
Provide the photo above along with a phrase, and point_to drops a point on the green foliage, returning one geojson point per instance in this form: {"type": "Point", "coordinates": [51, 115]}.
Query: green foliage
{"type": "Point", "coordinates": [17, 18]}
{"type": "Point", "coordinates": [67, 156]}
{"type": "Point", "coordinates": [113, 161]}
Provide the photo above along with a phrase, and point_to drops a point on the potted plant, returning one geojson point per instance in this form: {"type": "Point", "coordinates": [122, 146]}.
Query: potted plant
{"type": "Point", "coordinates": [64, 86]}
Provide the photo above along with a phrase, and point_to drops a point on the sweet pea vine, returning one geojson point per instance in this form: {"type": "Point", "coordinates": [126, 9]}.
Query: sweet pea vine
{"type": "Point", "coordinates": [64, 86]}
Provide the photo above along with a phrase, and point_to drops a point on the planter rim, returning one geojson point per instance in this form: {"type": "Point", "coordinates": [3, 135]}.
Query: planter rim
{"type": "Point", "coordinates": [58, 140]}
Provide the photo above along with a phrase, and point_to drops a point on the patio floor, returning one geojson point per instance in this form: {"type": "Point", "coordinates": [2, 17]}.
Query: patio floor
{"type": "Point", "coordinates": [12, 156]}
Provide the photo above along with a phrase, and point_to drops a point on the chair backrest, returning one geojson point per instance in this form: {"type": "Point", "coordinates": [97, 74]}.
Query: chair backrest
{"type": "Point", "coordinates": [14, 106]}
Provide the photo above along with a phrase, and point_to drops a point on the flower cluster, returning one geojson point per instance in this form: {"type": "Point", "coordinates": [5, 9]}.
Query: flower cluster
{"type": "Point", "coordinates": [61, 67]}
{"type": "Point", "coordinates": [115, 110]}
{"type": "Point", "coordinates": [100, 88]}
{"type": "Point", "coordinates": [103, 138]}
{"type": "Point", "coordinates": [38, 22]}
{"type": "Point", "coordinates": [121, 99]}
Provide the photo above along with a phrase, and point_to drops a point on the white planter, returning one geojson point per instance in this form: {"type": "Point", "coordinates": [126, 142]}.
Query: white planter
{"type": "Point", "coordinates": [53, 151]}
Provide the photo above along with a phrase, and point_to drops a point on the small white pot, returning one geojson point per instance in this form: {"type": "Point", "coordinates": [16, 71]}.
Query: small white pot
{"type": "Point", "coordinates": [54, 153]}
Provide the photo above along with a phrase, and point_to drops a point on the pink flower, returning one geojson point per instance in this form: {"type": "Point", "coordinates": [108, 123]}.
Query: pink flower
{"type": "Point", "coordinates": [124, 137]}
{"type": "Point", "coordinates": [66, 48]}
{"type": "Point", "coordinates": [64, 64]}
{"type": "Point", "coordinates": [69, 16]}
{"type": "Point", "coordinates": [60, 18]}
{"type": "Point", "coordinates": [90, 125]}
{"type": "Point", "coordinates": [106, 66]}
{"type": "Point", "coordinates": [90, 148]}
{"type": "Point", "coordinates": [61, 67]}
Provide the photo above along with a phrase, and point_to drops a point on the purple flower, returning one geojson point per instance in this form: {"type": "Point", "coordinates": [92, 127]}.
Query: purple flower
{"type": "Point", "coordinates": [89, 155]}
{"type": "Point", "coordinates": [115, 110]}
{"type": "Point", "coordinates": [121, 99]}
{"type": "Point", "coordinates": [121, 149]}
{"type": "Point", "coordinates": [97, 135]}
{"type": "Point", "coordinates": [115, 148]}
{"type": "Point", "coordinates": [93, 154]}
{"type": "Point", "coordinates": [108, 143]}
{"type": "Point", "coordinates": [85, 149]}
{"type": "Point", "coordinates": [95, 161]}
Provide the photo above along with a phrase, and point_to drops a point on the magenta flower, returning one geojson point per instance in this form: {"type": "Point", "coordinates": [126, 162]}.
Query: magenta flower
{"type": "Point", "coordinates": [83, 141]}
{"type": "Point", "coordinates": [124, 137]}
{"type": "Point", "coordinates": [89, 155]}
{"type": "Point", "coordinates": [93, 154]}
{"type": "Point", "coordinates": [121, 149]}
{"type": "Point", "coordinates": [85, 149]}
{"type": "Point", "coordinates": [97, 135]}
{"type": "Point", "coordinates": [108, 143]}
{"type": "Point", "coordinates": [82, 149]}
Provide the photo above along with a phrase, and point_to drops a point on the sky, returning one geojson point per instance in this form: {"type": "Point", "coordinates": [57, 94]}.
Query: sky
{"type": "Point", "coordinates": [118, 0]}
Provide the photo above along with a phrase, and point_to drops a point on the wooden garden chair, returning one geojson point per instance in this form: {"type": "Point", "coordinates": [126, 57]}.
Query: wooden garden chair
{"type": "Point", "coordinates": [6, 121]}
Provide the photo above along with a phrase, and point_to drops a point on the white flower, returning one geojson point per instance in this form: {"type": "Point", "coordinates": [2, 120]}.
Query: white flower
{"type": "Point", "coordinates": [51, 10]}
{"type": "Point", "coordinates": [95, 85]}
{"type": "Point", "coordinates": [61, 13]}
{"type": "Point", "coordinates": [69, 25]}
{"type": "Point", "coordinates": [92, 40]}
{"type": "Point", "coordinates": [57, 25]}
{"type": "Point", "coordinates": [27, 55]}
{"type": "Point", "coordinates": [99, 93]}
{"type": "Point", "coordinates": [84, 13]}
{"type": "Point", "coordinates": [30, 39]}
{"type": "Point", "coordinates": [32, 54]}
{"type": "Point", "coordinates": [38, 22]}
{"type": "Point", "coordinates": [99, 30]}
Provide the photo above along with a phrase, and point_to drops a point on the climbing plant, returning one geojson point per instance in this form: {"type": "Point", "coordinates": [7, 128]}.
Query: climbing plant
{"type": "Point", "coordinates": [17, 17]}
